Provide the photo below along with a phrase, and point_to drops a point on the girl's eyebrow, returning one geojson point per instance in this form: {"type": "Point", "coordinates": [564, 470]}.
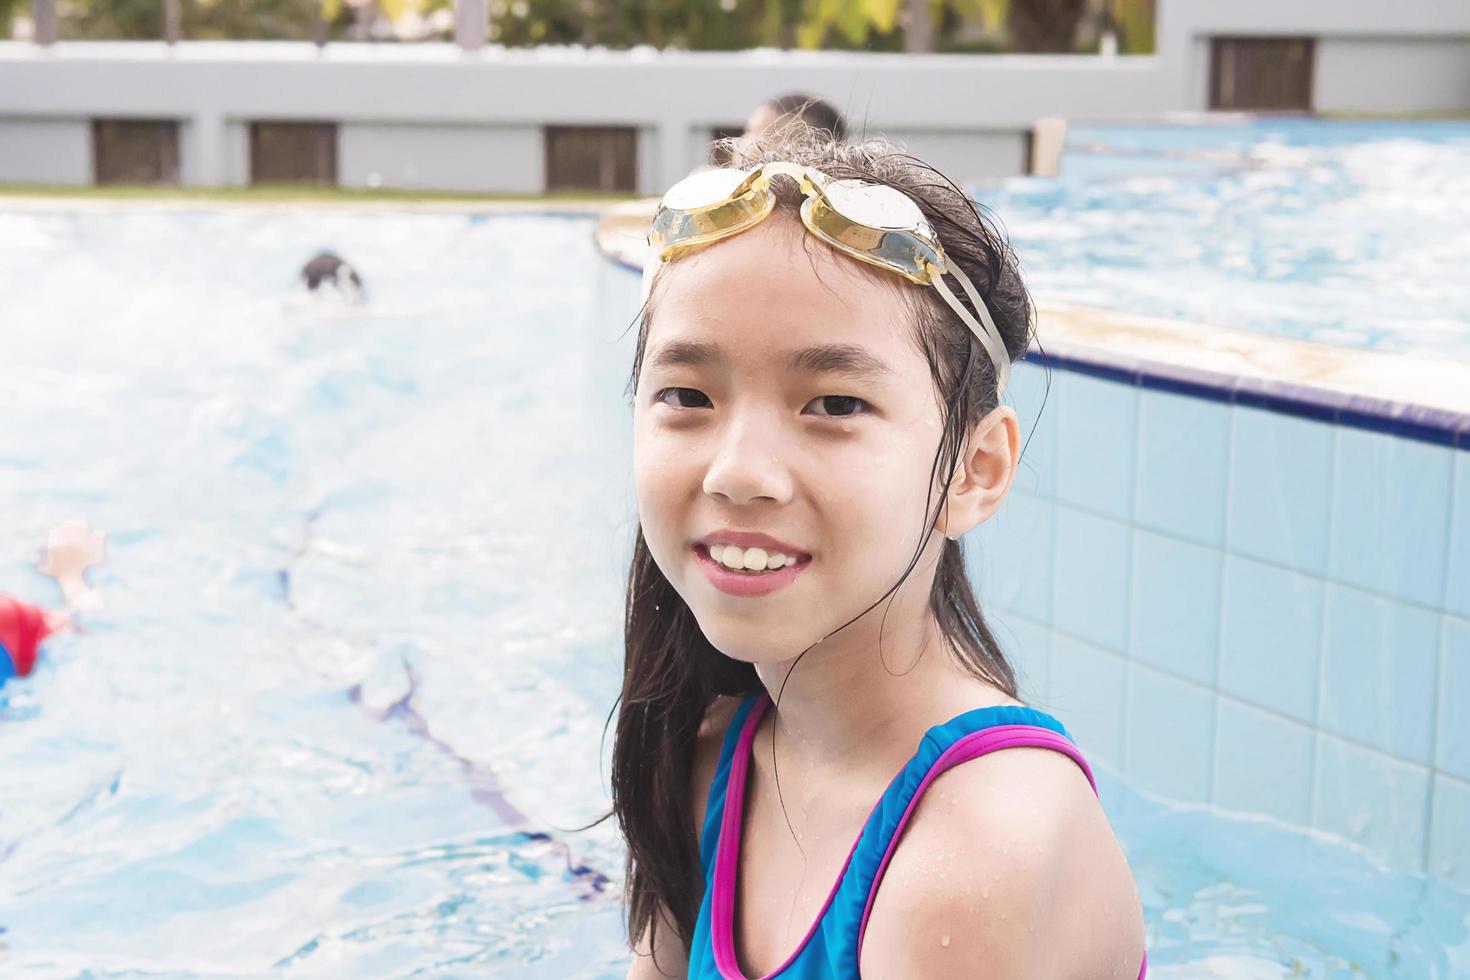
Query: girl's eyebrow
{"type": "Point", "coordinates": [845, 359]}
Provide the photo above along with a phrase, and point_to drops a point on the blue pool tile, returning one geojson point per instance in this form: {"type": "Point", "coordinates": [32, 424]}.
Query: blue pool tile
{"type": "Point", "coordinates": [1378, 668]}
{"type": "Point", "coordinates": [1280, 489]}
{"type": "Point", "coordinates": [1270, 637]}
{"type": "Point", "coordinates": [1097, 423]}
{"type": "Point", "coordinates": [1036, 410]}
{"type": "Point", "coordinates": [1372, 799]}
{"type": "Point", "coordinates": [1170, 735]}
{"type": "Point", "coordinates": [1183, 457]}
{"type": "Point", "coordinates": [1087, 696]}
{"type": "Point", "coordinates": [1090, 578]}
{"type": "Point", "coordinates": [1452, 742]}
{"type": "Point", "coordinates": [1174, 619]}
{"type": "Point", "coordinates": [1027, 647]}
{"type": "Point", "coordinates": [1449, 829]}
{"type": "Point", "coordinates": [1263, 763]}
{"type": "Point", "coordinates": [1011, 557]}
{"type": "Point", "coordinates": [1390, 515]}
{"type": "Point", "coordinates": [1457, 576]}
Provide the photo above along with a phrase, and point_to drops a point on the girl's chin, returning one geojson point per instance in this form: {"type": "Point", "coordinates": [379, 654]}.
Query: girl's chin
{"type": "Point", "coordinates": [752, 643]}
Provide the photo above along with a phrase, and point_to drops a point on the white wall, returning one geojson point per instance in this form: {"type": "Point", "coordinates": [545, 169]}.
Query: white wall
{"type": "Point", "coordinates": [1185, 27]}
{"type": "Point", "coordinates": [235, 165]}
{"type": "Point", "coordinates": [457, 158]}
{"type": "Point", "coordinates": [45, 151]}
{"type": "Point", "coordinates": [431, 115]}
{"type": "Point", "coordinates": [967, 157]}
{"type": "Point", "coordinates": [1427, 75]}
{"type": "Point", "coordinates": [415, 114]}
{"type": "Point", "coordinates": [1316, 18]}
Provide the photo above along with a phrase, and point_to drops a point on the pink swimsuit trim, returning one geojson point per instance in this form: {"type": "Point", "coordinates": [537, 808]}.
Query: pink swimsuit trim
{"type": "Point", "coordinates": [727, 849]}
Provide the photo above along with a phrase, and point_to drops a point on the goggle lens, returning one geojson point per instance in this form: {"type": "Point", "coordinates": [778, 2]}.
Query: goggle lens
{"type": "Point", "coordinates": [874, 205]}
{"type": "Point", "coordinates": [703, 190]}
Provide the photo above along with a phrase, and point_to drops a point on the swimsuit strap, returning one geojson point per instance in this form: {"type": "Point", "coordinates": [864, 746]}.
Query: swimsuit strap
{"type": "Point", "coordinates": [833, 944]}
{"type": "Point", "coordinates": [714, 806]}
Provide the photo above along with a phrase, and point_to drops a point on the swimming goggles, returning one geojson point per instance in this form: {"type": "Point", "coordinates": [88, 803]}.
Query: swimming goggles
{"type": "Point", "coordinates": [873, 223]}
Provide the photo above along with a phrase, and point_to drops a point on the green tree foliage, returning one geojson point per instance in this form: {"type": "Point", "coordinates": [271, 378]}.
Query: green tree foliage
{"type": "Point", "coordinates": [1135, 19]}
{"type": "Point", "coordinates": [201, 19]}
{"type": "Point", "coordinates": [708, 25]}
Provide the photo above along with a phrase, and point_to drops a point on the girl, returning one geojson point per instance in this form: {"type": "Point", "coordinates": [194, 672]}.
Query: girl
{"type": "Point", "coordinates": [816, 421]}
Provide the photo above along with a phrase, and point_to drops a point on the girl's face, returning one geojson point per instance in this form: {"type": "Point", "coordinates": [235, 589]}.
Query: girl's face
{"type": "Point", "coordinates": [782, 394]}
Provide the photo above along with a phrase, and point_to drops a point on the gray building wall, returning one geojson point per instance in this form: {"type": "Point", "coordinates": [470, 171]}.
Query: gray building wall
{"type": "Point", "coordinates": [455, 158]}
{"type": "Point", "coordinates": [1427, 74]}
{"type": "Point", "coordinates": [235, 155]}
{"type": "Point", "coordinates": [431, 115]}
{"type": "Point", "coordinates": [45, 151]}
{"type": "Point", "coordinates": [967, 157]}
{"type": "Point", "coordinates": [1381, 37]}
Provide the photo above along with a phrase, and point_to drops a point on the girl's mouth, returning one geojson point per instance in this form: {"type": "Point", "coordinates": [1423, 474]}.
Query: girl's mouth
{"type": "Point", "coordinates": [748, 572]}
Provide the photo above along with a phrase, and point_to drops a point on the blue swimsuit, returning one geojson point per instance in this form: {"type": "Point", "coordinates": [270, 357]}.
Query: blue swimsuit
{"type": "Point", "coordinates": [832, 944]}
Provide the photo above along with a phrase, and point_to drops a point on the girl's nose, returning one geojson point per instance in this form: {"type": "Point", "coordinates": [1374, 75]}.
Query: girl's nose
{"type": "Point", "coordinates": [747, 465]}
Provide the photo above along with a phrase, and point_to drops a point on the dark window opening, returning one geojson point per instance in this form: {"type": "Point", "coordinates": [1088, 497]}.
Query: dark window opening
{"type": "Point", "coordinates": [293, 153]}
{"type": "Point", "coordinates": [135, 151]}
{"type": "Point", "coordinates": [592, 158]}
{"type": "Point", "coordinates": [1262, 74]}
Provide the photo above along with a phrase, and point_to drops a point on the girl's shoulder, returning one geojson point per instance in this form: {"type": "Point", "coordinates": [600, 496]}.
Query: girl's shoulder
{"type": "Point", "coordinates": [1008, 863]}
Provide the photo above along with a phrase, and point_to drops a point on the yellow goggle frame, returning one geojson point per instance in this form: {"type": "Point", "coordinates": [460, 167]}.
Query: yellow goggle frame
{"type": "Point", "coordinates": [873, 223]}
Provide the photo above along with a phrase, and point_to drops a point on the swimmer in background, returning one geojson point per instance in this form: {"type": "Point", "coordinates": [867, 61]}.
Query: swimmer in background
{"type": "Point", "coordinates": [70, 549]}
{"type": "Point", "coordinates": [327, 268]}
{"type": "Point", "coordinates": [815, 113]}
{"type": "Point", "coordinates": [772, 118]}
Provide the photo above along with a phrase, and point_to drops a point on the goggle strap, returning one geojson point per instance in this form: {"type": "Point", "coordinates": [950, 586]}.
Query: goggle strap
{"type": "Point", "coordinates": [988, 336]}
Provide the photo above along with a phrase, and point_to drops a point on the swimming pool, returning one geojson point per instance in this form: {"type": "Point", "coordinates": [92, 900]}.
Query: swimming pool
{"type": "Point", "coordinates": [426, 496]}
{"type": "Point", "coordinates": [1352, 233]}
{"type": "Point", "coordinates": [303, 499]}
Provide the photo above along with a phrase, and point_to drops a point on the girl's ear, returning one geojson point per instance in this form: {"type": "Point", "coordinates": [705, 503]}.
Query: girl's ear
{"type": "Point", "coordinates": [983, 475]}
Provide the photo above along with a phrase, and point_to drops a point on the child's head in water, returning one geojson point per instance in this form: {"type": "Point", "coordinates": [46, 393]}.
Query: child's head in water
{"type": "Point", "coordinates": [785, 388]}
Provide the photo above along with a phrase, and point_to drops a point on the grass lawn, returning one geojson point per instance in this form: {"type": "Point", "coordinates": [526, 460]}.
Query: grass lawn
{"type": "Point", "coordinates": [315, 195]}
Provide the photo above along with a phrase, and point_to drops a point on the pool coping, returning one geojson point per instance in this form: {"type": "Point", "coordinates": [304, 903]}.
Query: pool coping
{"type": "Point", "coordinates": [1369, 390]}
{"type": "Point", "coordinates": [1408, 396]}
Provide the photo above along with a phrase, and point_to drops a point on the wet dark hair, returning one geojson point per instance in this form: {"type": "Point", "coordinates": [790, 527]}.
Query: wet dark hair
{"type": "Point", "coordinates": [817, 113]}
{"type": "Point", "coordinates": [672, 674]}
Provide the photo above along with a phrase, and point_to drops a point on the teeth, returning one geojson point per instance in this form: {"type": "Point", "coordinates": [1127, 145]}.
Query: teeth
{"type": "Point", "coordinates": [749, 559]}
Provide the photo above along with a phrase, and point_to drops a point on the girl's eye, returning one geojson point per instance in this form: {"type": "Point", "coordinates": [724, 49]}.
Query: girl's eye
{"type": "Point", "coordinates": [832, 406]}
{"type": "Point", "coordinates": [840, 406]}
{"type": "Point", "coordinates": [683, 397]}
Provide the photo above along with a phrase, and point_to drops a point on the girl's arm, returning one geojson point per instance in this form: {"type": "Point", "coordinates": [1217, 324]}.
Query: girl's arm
{"type": "Point", "coordinates": [671, 956]}
{"type": "Point", "coordinates": [1008, 870]}
{"type": "Point", "coordinates": [71, 548]}
{"type": "Point", "coordinates": [670, 961]}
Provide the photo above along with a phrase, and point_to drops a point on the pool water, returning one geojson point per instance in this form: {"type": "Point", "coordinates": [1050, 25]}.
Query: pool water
{"type": "Point", "coordinates": [1351, 233]}
{"type": "Point", "coordinates": [345, 697]}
